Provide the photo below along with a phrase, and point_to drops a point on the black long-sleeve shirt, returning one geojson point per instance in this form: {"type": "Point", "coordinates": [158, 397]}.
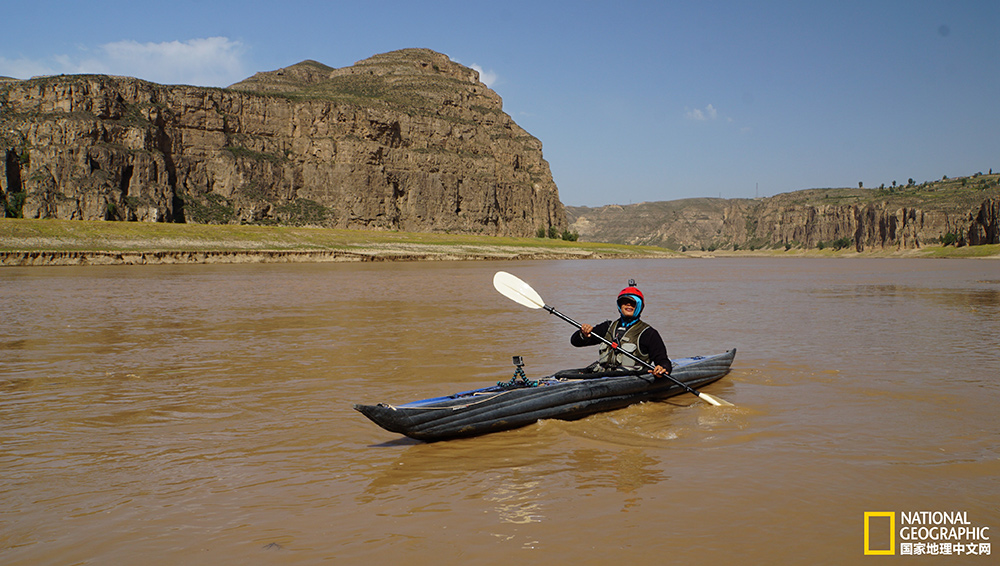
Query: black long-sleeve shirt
{"type": "Point", "coordinates": [649, 342]}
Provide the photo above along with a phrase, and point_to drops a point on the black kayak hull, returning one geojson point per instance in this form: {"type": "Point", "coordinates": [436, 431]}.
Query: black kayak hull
{"type": "Point", "coordinates": [494, 409]}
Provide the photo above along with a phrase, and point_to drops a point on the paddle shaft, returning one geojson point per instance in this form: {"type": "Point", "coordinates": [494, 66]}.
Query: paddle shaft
{"type": "Point", "coordinates": [615, 347]}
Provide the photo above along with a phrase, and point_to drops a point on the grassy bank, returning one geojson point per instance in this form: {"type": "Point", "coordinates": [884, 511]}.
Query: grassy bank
{"type": "Point", "coordinates": [73, 242]}
{"type": "Point", "coordinates": [81, 237]}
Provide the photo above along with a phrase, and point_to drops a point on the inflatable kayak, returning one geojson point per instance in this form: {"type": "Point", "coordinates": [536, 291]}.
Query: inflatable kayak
{"type": "Point", "coordinates": [566, 395]}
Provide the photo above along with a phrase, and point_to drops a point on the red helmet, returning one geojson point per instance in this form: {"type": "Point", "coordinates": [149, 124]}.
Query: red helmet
{"type": "Point", "coordinates": [633, 294]}
{"type": "Point", "coordinates": [631, 291]}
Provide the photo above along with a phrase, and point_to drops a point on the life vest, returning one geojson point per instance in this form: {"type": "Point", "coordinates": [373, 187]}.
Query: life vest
{"type": "Point", "coordinates": [628, 341]}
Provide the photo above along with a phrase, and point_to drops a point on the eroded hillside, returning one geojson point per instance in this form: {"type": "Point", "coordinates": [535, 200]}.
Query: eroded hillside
{"type": "Point", "coordinates": [407, 140]}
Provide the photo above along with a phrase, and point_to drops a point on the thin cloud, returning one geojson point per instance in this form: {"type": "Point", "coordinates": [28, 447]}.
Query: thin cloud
{"type": "Point", "coordinates": [709, 113]}
{"type": "Point", "coordinates": [211, 61]}
{"type": "Point", "coordinates": [488, 78]}
{"type": "Point", "coordinates": [24, 68]}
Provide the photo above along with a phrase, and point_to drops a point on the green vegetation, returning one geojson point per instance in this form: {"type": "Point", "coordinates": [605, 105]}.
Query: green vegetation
{"type": "Point", "coordinates": [553, 233]}
{"type": "Point", "coordinates": [215, 210]}
{"type": "Point", "coordinates": [983, 251]}
{"type": "Point", "coordinates": [838, 244]}
{"type": "Point", "coordinates": [303, 212]}
{"type": "Point", "coordinates": [570, 236]}
{"type": "Point", "coordinates": [238, 151]}
{"type": "Point", "coordinates": [14, 205]}
{"type": "Point", "coordinates": [961, 191]}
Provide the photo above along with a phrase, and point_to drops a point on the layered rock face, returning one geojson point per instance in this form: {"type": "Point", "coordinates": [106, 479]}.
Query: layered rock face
{"type": "Point", "coordinates": [984, 226]}
{"type": "Point", "coordinates": [967, 209]}
{"type": "Point", "coordinates": [407, 140]}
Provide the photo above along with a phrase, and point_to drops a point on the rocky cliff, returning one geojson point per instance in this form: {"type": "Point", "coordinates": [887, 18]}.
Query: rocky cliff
{"type": "Point", "coordinates": [407, 140]}
{"type": "Point", "coordinates": [964, 210]}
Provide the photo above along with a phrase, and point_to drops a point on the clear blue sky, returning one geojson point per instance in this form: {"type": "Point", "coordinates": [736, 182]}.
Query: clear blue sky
{"type": "Point", "coordinates": [633, 101]}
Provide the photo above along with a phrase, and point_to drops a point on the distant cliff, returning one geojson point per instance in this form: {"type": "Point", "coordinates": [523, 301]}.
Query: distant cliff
{"type": "Point", "coordinates": [407, 140]}
{"type": "Point", "coordinates": [962, 210]}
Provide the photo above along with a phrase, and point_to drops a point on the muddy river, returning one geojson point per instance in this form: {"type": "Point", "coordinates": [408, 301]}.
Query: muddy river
{"type": "Point", "coordinates": [203, 415]}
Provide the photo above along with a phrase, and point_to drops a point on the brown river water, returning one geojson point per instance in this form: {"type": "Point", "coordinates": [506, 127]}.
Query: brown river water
{"type": "Point", "coordinates": [203, 414]}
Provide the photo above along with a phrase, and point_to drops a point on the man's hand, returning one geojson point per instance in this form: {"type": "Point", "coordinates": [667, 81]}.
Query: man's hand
{"type": "Point", "coordinates": [659, 371]}
{"type": "Point", "coordinates": [586, 329]}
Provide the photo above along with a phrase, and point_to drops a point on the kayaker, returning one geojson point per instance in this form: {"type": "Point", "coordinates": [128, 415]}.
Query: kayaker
{"type": "Point", "coordinates": [630, 333]}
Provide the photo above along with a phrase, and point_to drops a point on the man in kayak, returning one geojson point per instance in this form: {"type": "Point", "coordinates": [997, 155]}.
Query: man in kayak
{"type": "Point", "coordinates": [631, 334]}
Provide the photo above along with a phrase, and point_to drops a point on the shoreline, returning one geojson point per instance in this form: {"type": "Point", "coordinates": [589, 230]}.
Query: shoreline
{"type": "Point", "coordinates": [35, 242]}
{"type": "Point", "coordinates": [32, 242]}
{"type": "Point", "coordinates": [41, 258]}
{"type": "Point", "coordinates": [53, 258]}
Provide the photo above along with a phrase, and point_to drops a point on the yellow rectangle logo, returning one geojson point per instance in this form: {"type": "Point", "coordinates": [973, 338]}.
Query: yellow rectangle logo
{"type": "Point", "coordinates": [892, 532]}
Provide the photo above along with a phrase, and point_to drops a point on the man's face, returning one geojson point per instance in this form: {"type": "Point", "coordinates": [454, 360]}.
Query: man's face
{"type": "Point", "coordinates": [628, 308]}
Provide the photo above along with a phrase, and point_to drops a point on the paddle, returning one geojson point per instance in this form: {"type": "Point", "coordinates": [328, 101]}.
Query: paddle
{"type": "Point", "coordinates": [522, 294]}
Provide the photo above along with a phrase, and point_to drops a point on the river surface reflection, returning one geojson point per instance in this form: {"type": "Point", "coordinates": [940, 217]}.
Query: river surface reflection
{"type": "Point", "coordinates": [202, 414]}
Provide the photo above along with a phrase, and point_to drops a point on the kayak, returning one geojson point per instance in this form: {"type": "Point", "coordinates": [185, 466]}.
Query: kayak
{"type": "Point", "coordinates": [566, 395]}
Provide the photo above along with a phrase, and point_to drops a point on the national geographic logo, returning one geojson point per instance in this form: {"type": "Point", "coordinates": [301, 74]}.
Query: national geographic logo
{"type": "Point", "coordinates": [879, 528]}
{"type": "Point", "coordinates": [937, 533]}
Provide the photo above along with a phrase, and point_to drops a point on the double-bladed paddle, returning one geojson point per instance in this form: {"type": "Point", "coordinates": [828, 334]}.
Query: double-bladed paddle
{"type": "Point", "coordinates": [522, 294]}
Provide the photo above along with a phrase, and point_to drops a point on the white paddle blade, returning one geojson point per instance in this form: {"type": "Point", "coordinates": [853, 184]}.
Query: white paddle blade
{"type": "Point", "coordinates": [715, 400]}
{"type": "Point", "coordinates": [517, 290]}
